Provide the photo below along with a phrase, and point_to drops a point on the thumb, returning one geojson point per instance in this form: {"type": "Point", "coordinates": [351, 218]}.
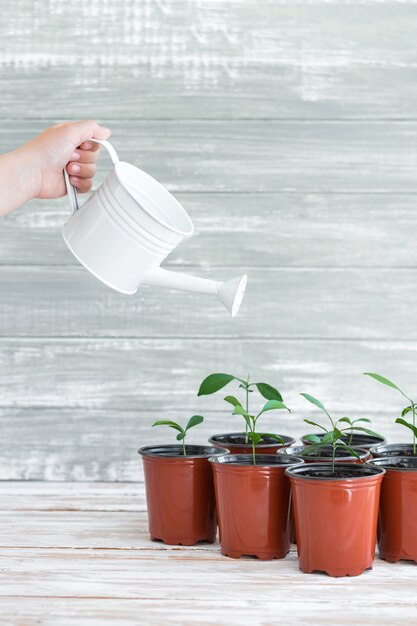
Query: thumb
{"type": "Point", "coordinates": [87, 129]}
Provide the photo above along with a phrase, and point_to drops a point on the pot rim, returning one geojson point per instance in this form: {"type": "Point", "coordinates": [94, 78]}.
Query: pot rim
{"type": "Point", "coordinates": [364, 471]}
{"type": "Point", "coordinates": [297, 451]}
{"type": "Point", "coordinates": [288, 441]}
{"type": "Point", "coordinates": [380, 439]}
{"type": "Point", "coordinates": [163, 451]}
{"type": "Point", "coordinates": [387, 461]}
{"type": "Point", "coordinates": [262, 460]}
{"type": "Point", "coordinates": [386, 447]}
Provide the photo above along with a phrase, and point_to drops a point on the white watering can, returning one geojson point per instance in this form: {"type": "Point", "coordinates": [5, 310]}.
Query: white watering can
{"type": "Point", "coordinates": [128, 226]}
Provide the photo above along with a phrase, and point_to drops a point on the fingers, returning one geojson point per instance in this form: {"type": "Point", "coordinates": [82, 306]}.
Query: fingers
{"type": "Point", "coordinates": [81, 170]}
{"type": "Point", "coordinates": [85, 154]}
{"type": "Point", "coordinates": [81, 175]}
{"type": "Point", "coordinates": [82, 184]}
{"type": "Point", "coordinates": [78, 132]}
{"type": "Point", "coordinates": [89, 128]}
{"type": "Point", "coordinates": [81, 166]}
{"type": "Point", "coordinates": [91, 146]}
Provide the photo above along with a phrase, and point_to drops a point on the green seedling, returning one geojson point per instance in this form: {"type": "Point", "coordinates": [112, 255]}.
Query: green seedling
{"type": "Point", "coordinates": [411, 408]}
{"type": "Point", "coordinates": [251, 421]}
{"type": "Point", "coordinates": [182, 432]}
{"type": "Point", "coordinates": [215, 382]}
{"type": "Point", "coordinates": [350, 430]}
{"type": "Point", "coordinates": [332, 436]}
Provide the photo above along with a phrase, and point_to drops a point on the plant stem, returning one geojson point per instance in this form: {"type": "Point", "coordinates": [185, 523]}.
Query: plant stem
{"type": "Point", "coordinates": [183, 447]}
{"type": "Point", "coordinates": [253, 453]}
{"type": "Point", "coordinates": [414, 424]}
{"type": "Point", "coordinates": [247, 409]}
{"type": "Point", "coordinates": [333, 456]}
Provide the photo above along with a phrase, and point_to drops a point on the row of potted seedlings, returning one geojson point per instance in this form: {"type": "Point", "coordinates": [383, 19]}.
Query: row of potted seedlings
{"type": "Point", "coordinates": [329, 493]}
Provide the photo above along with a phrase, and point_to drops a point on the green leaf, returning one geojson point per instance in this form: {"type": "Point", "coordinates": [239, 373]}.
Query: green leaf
{"type": "Point", "coordinates": [194, 421]}
{"type": "Point", "coordinates": [180, 436]}
{"type": "Point", "coordinates": [382, 380]}
{"type": "Point", "coordinates": [312, 438]}
{"type": "Point", "coordinates": [328, 438]}
{"type": "Point", "coordinates": [399, 420]}
{"type": "Point", "coordinates": [239, 410]}
{"type": "Point", "coordinates": [346, 420]}
{"type": "Point", "coordinates": [272, 405]}
{"type": "Point", "coordinates": [315, 424]}
{"type": "Point", "coordinates": [255, 437]}
{"type": "Point", "coordinates": [168, 423]}
{"type": "Point", "coordinates": [309, 450]}
{"type": "Point", "coordinates": [273, 436]}
{"type": "Point", "coordinates": [368, 431]}
{"type": "Point", "coordinates": [408, 409]}
{"type": "Point", "coordinates": [337, 434]}
{"type": "Point", "coordinates": [316, 402]}
{"type": "Point", "coordinates": [214, 382]}
{"type": "Point", "coordinates": [232, 400]}
{"type": "Point", "coordinates": [350, 450]}
{"type": "Point", "coordinates": [362, 419]}
{"type": "Point", "coordinates": [268, 392]}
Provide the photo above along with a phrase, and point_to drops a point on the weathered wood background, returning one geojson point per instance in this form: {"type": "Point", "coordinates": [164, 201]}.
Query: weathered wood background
{"type": "Point", "coordinates": [289, 131]}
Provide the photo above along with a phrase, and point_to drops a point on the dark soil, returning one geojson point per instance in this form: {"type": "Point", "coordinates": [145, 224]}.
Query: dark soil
{"type": "Point", "coordinates": [326, 453]}
{"type": "Point", "coordinates": [313, 473]}
{"type": "Point", "coordinates": [240, 440]}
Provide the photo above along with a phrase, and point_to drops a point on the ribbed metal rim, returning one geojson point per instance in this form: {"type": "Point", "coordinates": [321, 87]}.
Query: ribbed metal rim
{"type": "Point", "coordinates": [129, 227]}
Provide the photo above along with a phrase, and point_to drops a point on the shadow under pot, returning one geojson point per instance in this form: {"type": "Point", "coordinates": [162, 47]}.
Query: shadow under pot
{"type": "Point", "coordinates": [253, 504]}
{"type": "Point", "coordinates": [180, 493]}
{"type": "Point", "coordinates": [393, 449]}
{"type": "Point", "coordinates": [335, 516]}
{"type": "Point", "coordinates": [235, 442]}
{"type": "Point", "coordinates": [397, 522]}
{"type": "Point", "coordinates": [324, 455]}
{"type": "Point", "coordinates": [358, 440]}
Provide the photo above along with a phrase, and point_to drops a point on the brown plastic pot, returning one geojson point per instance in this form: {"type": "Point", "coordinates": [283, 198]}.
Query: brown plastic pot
{"type": "Point", "coordinates": [393, 449]}
{"type": "Point", "coordinates": [253, 504]}
{"type": "Point", "coordinates": [180, 493]}
{"type": "Point", "coordinates": [358, 440]}
{"type": "Point", "coordinates": [235, 442]}
{"type": "Point", "coordinates": [325, 455]}
{"type": "Point", "coordinates": [335, 518]}
{"type": "Point", "coordinates": [397, 522]}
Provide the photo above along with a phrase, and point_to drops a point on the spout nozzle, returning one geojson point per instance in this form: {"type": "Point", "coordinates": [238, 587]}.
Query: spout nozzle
{"type": "Point", "coordinates": [231, 293]}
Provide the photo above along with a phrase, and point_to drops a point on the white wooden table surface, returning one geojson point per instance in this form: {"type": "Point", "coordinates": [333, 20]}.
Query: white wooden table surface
{"type": "Point", "coordinates": [80, 553]}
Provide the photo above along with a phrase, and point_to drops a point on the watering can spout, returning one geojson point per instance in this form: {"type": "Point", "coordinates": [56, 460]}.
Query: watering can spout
{"type": "Point", "coordinates": [230, 292]}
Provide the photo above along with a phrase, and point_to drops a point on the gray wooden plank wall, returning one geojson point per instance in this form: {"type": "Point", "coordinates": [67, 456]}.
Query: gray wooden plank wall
{"type": "Point", "coordinates": [289, 131]}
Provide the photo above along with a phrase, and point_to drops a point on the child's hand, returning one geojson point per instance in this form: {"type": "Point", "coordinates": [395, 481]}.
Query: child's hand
{"type": "Point", "coordinates": [35, 170]}
{"type": "Point", "coordinates": [64, 145]}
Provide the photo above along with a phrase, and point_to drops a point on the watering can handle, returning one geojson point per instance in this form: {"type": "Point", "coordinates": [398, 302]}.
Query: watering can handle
{"type": "Point", "coordinates": [71, 190]}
